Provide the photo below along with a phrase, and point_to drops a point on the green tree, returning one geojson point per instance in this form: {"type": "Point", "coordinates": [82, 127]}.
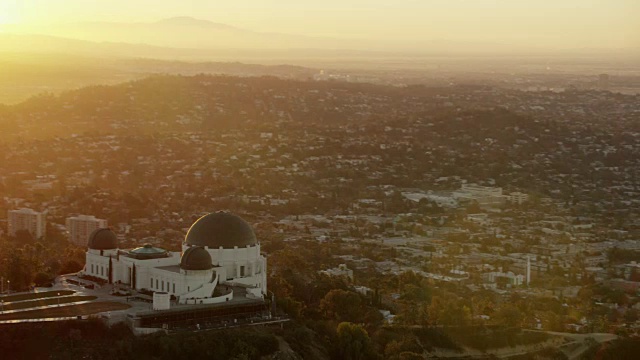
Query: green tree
{"type": "Point", "coordinates": [71, 266]}
{"type": "Point", "coordinates": [354, 342]}
{"type": "Point", "coordinates": [435, 309]}
{"type": "Point", "coordinates": [42, 279]}
{"type": "Point", "coordinates": [408, 355]}
{"type": "Point", "coordinates": [399, 349]}
{"type": "Point", "coordinates": [342, 305]}
{"type": "Point", "coordinates": [631, 315]}
{"type": "Point", "coordinates": [24, 237]}
{"type": "Point", "coordinates": [509, 315]}
{"type": "Point", "coordinates": [455, 314]}
{"type": "Point", "coordinates": [20, 271]}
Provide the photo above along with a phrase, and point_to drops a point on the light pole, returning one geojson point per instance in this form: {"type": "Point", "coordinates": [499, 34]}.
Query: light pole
{"type": "Point", "coordinates": [9, 286]}
{"type": "Point", "coordinates": [58, 299]}
{"type": "Point", "coordinates": [2, 302]}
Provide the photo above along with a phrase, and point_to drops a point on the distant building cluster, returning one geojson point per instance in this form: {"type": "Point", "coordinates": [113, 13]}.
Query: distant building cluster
{"type": "Point", "coordinates": [483, 195]}
{"type": "Point", "coordinates": [79, 228]}
{"type": "Point", "coordinates": [341, 271]}
{"type": "Point", "coordinates": [517, 198]}
{"type": "Point", "coordinates": [508, 278]}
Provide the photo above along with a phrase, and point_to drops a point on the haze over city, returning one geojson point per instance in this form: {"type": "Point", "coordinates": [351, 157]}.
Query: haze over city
{"type": "Point", "coordinates": [324, 180]}
{"type": "Point", "coordinates": [407, 25]}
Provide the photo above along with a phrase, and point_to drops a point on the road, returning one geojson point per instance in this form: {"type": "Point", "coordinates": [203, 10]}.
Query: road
{"type": "Point", "coordinates": [583, 341]}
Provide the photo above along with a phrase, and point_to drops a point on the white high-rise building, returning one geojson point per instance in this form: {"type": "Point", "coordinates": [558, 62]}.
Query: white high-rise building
{"type": "Point", "coordinates": [26, 219]}
{"type": "Point", "coordinates": [80, 228]}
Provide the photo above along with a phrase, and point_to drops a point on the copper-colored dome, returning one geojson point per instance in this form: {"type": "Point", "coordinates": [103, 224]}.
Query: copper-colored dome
{"type": "Point", "coordinates": [196, 258]}
{"type": "Point", "coordinates": [103, 239]}
{"type": "Point", "coordinates": [221, 229]}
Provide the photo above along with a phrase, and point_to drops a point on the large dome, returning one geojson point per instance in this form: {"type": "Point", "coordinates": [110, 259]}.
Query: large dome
{"type": "Point", "coordinates": [196, 258]}
{"type": "Point", "coordinates": [221, 229]}
{"type": "Point", "coordinates": [103, 239]}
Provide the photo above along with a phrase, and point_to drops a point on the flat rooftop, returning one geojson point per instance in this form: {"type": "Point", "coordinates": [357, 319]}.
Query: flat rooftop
{"type": "Point", "coordinates": [170, 268]}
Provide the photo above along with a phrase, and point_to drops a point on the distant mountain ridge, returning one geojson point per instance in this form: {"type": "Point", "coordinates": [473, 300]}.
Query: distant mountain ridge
{"type": "Point", "coordinates": [191, 21]}
{"type": "Point", "coordinates": [47, 44]}
{"type": "Point", "coordinates": [182, 32]}
{"type": "Point", "coordinates": [192, 35]}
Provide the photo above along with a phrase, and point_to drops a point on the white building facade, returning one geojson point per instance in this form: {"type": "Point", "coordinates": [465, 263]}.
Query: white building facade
{"type": "Point", "coordinates": [508, 278]}
{"type": "Point", "coordinates": [341, 271]}
{"type": "Point", "coordinates": [517, 198]}
{"type": "Point", "coordinates": [220, 252]}
{"type": "Point", "coordinates": [82, 226]}
{"type": "Point", "coordinates": [26, 219]}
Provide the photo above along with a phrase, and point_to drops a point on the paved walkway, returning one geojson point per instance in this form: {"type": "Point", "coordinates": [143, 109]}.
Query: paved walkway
{"type": "Point", "coordinates": [580, 340]}
{"type": "Point", "coordinates": [45, 307]}
{"type": "Point", "coordinates": [599, 337]}
{"type": "Point", "coordinates": [19, 321]}
{"type": "Point", "coordinates": [104, 293]}
{"type": "Point", "coordinates": [38, 299]}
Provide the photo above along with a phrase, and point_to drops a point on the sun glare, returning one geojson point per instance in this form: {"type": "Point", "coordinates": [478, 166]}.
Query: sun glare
{"type": "Point", "coordinates": [8, 13]}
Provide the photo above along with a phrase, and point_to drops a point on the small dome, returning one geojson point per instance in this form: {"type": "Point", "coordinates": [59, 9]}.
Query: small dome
{"type": "Point", "coordinates": [147, 251]}
{"type": "Point", "coordinates": [103, 239]}
{"type": "Point", "coordinates": [196, 258]}
{"type": "Point", "coordinates": [221, 229]}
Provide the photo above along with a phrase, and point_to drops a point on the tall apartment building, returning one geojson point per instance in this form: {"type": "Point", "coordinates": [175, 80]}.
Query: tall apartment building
{"type": "Point", "coordinates": [26, 219]}
{"type": "Point", "coordinates": [81, 226]}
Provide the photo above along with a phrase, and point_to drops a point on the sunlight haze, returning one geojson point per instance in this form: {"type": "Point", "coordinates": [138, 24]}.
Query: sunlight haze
{"type": "Point", "coordinates": [561, 24]}
{"type": "Point", "coordinates": [324, 180]}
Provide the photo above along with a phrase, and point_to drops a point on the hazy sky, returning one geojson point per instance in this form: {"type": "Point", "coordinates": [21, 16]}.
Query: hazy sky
{"type": "Point", "coordinates": [539, 23]}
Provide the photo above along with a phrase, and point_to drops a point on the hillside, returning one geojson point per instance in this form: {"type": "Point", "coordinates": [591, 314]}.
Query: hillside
{"type": "Point", "coordinates": [23, 75]}
{"type": "Point", "coordinates": [201, 102]}
{"type": "Point", "coordinates": [94, 340]}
